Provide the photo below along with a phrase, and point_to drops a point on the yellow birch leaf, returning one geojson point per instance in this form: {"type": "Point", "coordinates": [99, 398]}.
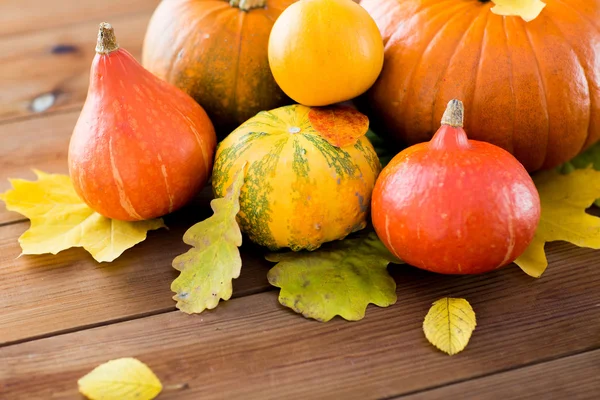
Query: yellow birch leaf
{"type": "Point", "coordinates": [61, 220]}
{"type": "Point", "coordinates": [121, 379]}
{"type": "Point", "coordinates": [449, 324]}
{"type": "Point", "coordinates": [526, 9]}
{"type": "Point", "coordinates": [341, 278]}
{"type": "Point", "coordinates": [207, 270]}
{"type": "Point", "coordinates": [564, 199]}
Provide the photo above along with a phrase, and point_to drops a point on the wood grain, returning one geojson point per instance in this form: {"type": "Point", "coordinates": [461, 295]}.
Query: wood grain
{"type": "Point", "coordinates": [253, 348]}
{"type": "Point", "coordinates": [574, 377]}
{"type": "Point", "coordinates": [43, 295]}
{"type": "Point", "coordinates": [18, 17]}
{"type": "Point", "coordinates": [54, 64]}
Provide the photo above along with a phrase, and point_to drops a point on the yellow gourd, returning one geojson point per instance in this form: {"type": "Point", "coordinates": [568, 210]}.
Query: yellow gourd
{"type": "Point", "coordinates": [323, 52]}
{"type": "Point", "coordinates": [299, 190]}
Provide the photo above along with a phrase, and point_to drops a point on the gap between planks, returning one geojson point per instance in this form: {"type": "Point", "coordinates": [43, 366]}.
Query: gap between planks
{"type": "Point", "coordinates": [252, 345]}
{"type": "Point", "coordinates": [458, 386]}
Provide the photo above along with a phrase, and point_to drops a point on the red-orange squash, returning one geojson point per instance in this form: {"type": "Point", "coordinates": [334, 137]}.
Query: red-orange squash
{"type": "Point", "coordinates": [544, 74]}
{"type": "Point", "coordinates": [141, 148]}
{"type": "Point", "coordinates": [216, 51]}
{"type": "Point", "coordinates": [454, 205]}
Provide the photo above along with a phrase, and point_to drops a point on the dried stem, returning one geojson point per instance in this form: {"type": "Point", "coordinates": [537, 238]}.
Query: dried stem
{"type": "Point", "coordinates": [107, 42]}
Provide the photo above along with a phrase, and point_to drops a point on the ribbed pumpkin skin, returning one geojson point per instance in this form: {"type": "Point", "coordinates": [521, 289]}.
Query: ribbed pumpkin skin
{"type": "Point", "coordinates": [299, 191]}
{"type": "Point", "coordinates": [532, 88]}
{"type": "Point", "coordinates": [217, 54]}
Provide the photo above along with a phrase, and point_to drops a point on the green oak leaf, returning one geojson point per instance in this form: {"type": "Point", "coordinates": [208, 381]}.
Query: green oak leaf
{"type": "Point", "coordinates": [207, 270]}
{"type": "Point", "coordinates": [341, 278]}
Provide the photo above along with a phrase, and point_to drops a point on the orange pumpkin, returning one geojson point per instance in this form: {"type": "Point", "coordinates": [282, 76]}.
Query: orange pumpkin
{"type": "Point", "coordinates": [544, 73]}
{"type": "Point", "coordinates": [216, 51]}
{"type": "Point", "coordinates": [323, 52]}
{"type": "Point", "coordinates": [141, 148]}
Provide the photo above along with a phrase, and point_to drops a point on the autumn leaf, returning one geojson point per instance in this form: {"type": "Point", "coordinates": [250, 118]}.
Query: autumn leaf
{"type": "Point", "coordinates": [526, 9]}
{"type": "Point", "coordinates": [207, 270]}
{"type": "Point", "coordinates": [564, 199]}
{"type": "Point", "coordinates": [449, 324]}
{"type": "Point", "coordinates": [590, 157]}
{"type": "Point", "coordinates": [121, 379]}
{"type": "Point", "coordinates": [339, 125]}
{"type": "Point", "coordinates": [61, 220]}
{"type": "Point", "coordinates": [341, 278]}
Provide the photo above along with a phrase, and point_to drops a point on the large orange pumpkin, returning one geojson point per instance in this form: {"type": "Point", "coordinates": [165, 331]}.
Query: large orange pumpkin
{"type": "Point", "coordinates": [216, 51]}
{"type": "Point", "coordinates": [532, 88]}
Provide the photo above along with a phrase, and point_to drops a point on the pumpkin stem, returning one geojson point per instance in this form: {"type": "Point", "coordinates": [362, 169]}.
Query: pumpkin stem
{"type": "Point", "coordinates": [107, 42]}
{"type": "Point", "coordinates": [246, 5]}
{"type": "Point", "coordinates": [454, 114]}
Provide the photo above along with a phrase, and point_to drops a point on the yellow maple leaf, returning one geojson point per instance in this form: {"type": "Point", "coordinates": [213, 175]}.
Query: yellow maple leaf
{"type": "Point", "coordinates": [526, 9]}
{"type": "Point", "coordinates": [121, 379]}
{"type": "Point", "coordinates": [564, 199]}
{"type": "Point", "coordinates": [61, 220]}
{"type": "Point", "coordinates": [449, 324]}
{"type": "Point", "coordinates": [207, 270]}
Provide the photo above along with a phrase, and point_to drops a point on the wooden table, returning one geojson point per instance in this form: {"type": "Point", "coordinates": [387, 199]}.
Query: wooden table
{"type": "Point", "coordinates": [60, 316]}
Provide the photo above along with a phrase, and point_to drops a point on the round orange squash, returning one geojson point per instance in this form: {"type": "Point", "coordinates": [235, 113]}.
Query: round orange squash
{"type": "Point", "coordinates": [216, 51]}
{"type": "Point", "coordinates": [544, 73]}
{"type": "Point", "coordinates": [323, 52]}
{"type": "Point", "coordinates": [299, 190]}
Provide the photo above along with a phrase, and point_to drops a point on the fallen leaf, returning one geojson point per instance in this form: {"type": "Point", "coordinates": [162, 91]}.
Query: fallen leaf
{"type": "Point", "coordinates": [341, 278]}
{"type": "Point", "coordinates": [340, 125]}
{"type": "Point", "coordinates": [564, 199]}
{"type": "Point", "coordinates": [207, 270]}
{"type": "Point", "coordinates": [590, 157]}
{"type": "Point", "coordinates": [121, 379]}
{"type": "Point", "coordinates": [449, 324]}
{"type": "Point", "coordinates": [61, 220]}
{"type": "Point", "coordinates": [526, 9]}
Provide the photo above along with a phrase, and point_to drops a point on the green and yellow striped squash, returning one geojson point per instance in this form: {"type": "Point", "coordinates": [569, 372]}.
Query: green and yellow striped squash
{"type": "Point", "coordinates": [299, 191]}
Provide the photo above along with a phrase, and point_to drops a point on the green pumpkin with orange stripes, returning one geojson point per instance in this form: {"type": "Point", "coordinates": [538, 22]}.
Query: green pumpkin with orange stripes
{"type": "Point", "coordinates": [299, 191]}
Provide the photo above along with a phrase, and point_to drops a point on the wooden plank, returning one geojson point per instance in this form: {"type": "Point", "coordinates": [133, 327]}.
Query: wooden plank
{"type": "Point", "coordinates": [48, 70]}
{"type": "Point", "coordinates": [574, 377]}
{"type": "Point", "coordinates": [22, 16]}
{"type": "Point", "coordinates": [41, 143]}
{"type": "Point", "coordinates": [253, 348]}
{"type": "Point", "coordinates": [42, 295]}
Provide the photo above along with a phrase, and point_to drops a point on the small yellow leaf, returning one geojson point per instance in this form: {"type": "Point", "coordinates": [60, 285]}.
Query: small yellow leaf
{"type": "Point", "coordinates": [341, 278]}
{"type": "Point", "coordinates": [207, 270]}
{"type": "Point", "coordinates": [121, 379]}
{"type": "Point", "coordinates": [61, 220]}
{"type": "Point", "coordinates": [526, 9]}
{"type": "Point", "coordinates": [564, 199]}
{"type": "Point", "coordinates": [449, 324]}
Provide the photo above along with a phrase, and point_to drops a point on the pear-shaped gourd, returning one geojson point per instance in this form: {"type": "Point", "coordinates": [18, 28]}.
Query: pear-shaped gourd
{"type": "Point", "coordinates": [141, 147]}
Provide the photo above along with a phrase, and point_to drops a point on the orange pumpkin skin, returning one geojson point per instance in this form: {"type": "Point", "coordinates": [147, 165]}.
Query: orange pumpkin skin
{"type": "Point", "coordinates": [455, 206]}
{"type": "Point", "coordinates": [216, 53]}
{"type": "Point", "coordinates": [544, 73]}
{"type": "Point", "coordinates": [141, 148]}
